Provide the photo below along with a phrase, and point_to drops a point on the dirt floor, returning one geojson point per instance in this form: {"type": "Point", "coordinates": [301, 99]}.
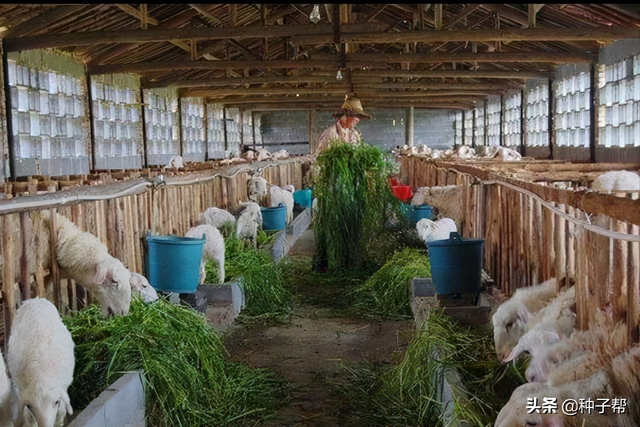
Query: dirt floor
{"type": "Point", "coordinates": [309, 352]}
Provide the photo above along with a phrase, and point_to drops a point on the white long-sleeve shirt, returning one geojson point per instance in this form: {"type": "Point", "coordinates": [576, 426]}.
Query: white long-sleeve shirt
{"type": "Point", "coordinates": [336, 131]}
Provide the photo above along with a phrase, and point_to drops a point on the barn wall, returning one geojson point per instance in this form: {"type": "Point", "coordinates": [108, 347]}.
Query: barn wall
{"type": "Point", "coordinates": [526, 243]}
{"type": "Point", "coordinates": [121, 223]}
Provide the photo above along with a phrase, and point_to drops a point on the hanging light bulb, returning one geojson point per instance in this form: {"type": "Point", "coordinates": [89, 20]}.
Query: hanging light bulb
{"type": "Point", "coordinates": [315, 14]}
{"type": "Point", "coordinates": [339, 75]}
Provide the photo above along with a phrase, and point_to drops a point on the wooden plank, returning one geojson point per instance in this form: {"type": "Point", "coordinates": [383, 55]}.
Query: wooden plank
{"type": "Point", "coordinates": [55, 272]}
{"type": "Point", "coordinates": [8, 274]}
{"type": "Point", "coordinates": [437, 57]}
{"type": "Point", "coordinates": [559, 238]}
{"type": "Point", "coordinates": [25, 276]}
{"type": "Point", "coordinates": [619, 272]}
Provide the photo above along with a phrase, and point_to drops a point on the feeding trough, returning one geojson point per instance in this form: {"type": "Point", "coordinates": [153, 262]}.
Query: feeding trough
{"type": "Point", "coordinates": [173, 263]}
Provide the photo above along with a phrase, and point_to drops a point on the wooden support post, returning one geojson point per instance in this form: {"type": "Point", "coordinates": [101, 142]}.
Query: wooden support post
{"type": "Point", "coordinates": [593, 108]}
{"type": "Point", "coordinates": [633, 280]}
{"type": "Point", "coordinates": [145, 160]}
{"type": "Point", "coordinates": [523, 126]}
{"type": "Point", "coordinates": [550, 129]}
{"type": "Point", "coordinates": [92, 127]}
{"type": "Point", "coordinates": [501, 115]}
{"type": "Point", "coordinates": [180, 139]}
{"type": "Point", "coordinates": [437, 11]}
{"type": "Point", "coordinates": [409, 126]}
{"type": "Point", "coordinates": [11, 170]}
{"type": "Point", "coordinates": [474, 132]}
{"type": "Point", "coordinates": [224, 127]}
{"type": "Point", "coordinates": [253, 127]}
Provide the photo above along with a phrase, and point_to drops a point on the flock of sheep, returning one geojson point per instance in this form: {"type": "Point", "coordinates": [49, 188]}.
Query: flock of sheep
{"type": "Point", "coordinates": [40, 356]}
{"type": "Point", "coordinates": [462, 152]}
{"type": "Point", "coordinates": [565, 363]}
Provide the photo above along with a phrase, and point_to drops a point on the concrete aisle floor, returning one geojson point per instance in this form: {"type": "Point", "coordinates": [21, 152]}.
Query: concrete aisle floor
{"type": "Point", "coordinates": [308, 353]}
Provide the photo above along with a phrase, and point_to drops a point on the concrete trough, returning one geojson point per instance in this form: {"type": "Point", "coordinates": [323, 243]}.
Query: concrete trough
{"type": "Point", "coordinates": [122, 404]}
{"type": "Point", "coordinates": [424, 298]}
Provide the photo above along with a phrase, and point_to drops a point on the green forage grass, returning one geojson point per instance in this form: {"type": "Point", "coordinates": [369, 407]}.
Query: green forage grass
{"type": "Point", "coordinates": [188, 381]}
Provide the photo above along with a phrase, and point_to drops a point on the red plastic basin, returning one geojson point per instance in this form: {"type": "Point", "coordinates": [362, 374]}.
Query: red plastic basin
{"type": "Point", "coordinates": [402, 192]}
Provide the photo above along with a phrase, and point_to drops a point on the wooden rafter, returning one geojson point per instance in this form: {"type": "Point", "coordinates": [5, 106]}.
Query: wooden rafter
{"type": "Point", "coordinates": [208, 15]}
{"type": "Point", "coordinates": [43, 20]}
{"type": "Point", "coordinates": [463, 14]}
{"type": "Point", "coordinates": [137, 13]}
{"type": "Point", "coordinates": [533, 11]}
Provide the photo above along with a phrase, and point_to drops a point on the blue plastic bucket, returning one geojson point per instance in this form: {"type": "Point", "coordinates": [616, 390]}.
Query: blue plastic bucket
{"type": "Point", "coordinates": [274, 218]}
{"type": "Point", "coordinates": [422, 211]}
{"type": "Point", "coordinates": [303, 198]}
{"type": "Point", "coordinates": [456, 264]}
{"type": "Point", "coordinates": [173, 263]}
{"type": "Point", "coordinates": [416, 213]}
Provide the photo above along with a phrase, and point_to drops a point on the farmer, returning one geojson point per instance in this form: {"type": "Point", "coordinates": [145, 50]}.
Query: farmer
{"type": "Point", "coordinates": [348, 116]}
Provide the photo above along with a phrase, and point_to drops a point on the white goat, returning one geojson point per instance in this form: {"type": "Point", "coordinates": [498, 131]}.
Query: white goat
{"type": "Point", "coordinates": [280, 195]}
{"type": "Point", "coordinates": [290, 188]}
{"type": "Point", "coordinates": [511, 317]}
{"type": "Point", "coordinates": [263, 154]}
{"type": "Point", "coordinates": [617, 181]}
{"type": "Point", "coordinates": [41, 363]}
{"type": "Point", "coordinates": [602, 332]}
{"type": "Point", "coordinates": [441, 229]}
{"type": "Point", "coordinates": [247, 227]}
{"type": "Point", "coordinates": [255, 210]}
{"type": "Point", "coordinates": [86, 260]}
{"type": "Point", "coordinates": [280, 155]}
{"type": "Point", "coordinates": [5, 395]}
{"type": "Point", "coordinates": [175, 162]}
{"type": "Point", "coordinates": [213, 248]}
{"type": "Point", "coordinates": [217, 217]}
{"type": "Point", "coordinates": [556, 319]}
{"type": "Point", "coordinates": [141, 285]}
{"type": "Point", "coordinates": [257, 188]}
{"type": "Point", "coordinates": [447, 199]}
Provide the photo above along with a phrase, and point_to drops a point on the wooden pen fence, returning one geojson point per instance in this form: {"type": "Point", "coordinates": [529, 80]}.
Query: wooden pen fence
{"type": "Point", "coordinates": [534, 231]}
{"type": "Point", "coordinates": [120, 222]}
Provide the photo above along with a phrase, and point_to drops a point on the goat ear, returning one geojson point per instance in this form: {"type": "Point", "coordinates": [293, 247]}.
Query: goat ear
{"type": "Point", "coordinates": [67, 402]}
{"type": "Point", "coordinates": [101, 275]}
{"type": "Point", "coordinates": [524, 314]}
{"type": "Point", "coordinates": [28, 416]}
{"type": "Point", "coordinates": [517, 350]}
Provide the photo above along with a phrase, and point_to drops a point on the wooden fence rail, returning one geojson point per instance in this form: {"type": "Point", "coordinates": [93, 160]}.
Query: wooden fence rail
{"type": "Point", "coordinates": [527, 243]}
{"type": "Point", "coordinates": [119, 222]}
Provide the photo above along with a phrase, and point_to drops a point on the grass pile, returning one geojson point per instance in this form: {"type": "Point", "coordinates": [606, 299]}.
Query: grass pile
{"type": "Point", "coordinates": [388, 291]}
{"type": "Point", "coordinates": [261, 277]}
{"type": "Point", "coordinates": [354, 201]}
{"type": "Point", "coordinates": [406, 394]}
{"type": "Point", "coordinates": [188, 381]}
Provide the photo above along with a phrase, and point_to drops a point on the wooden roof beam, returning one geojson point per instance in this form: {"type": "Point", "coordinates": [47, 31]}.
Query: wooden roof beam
{"type": "Point", "coordinates": [533, 10]}
{"type": "Point", "coordinates": [142, 67]}
{"type": "Point", "coordinates": [358, 76]}
{"type": "Point", "coordinates": [463, 14]}
{"type": "Point", "coordinates": [349, 33]}
{"type": "Point", "coordinates": [435, 57]}
{"type": "Point", "coordinates": [505, 35]}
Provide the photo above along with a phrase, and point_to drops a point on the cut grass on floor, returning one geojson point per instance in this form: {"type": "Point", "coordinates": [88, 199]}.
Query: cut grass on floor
{"type": "Point", "coordinates": [406, 394]}
{"type": "Point", "coordinates": [261, 277]}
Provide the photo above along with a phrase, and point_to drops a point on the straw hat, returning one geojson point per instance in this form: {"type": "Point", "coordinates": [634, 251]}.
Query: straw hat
{"type": "Point", "coordinates": [352, 107]}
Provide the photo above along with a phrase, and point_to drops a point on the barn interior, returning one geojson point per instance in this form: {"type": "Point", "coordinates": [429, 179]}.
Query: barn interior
{"type": "Point", "coordinates": [513, 121]}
